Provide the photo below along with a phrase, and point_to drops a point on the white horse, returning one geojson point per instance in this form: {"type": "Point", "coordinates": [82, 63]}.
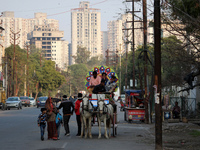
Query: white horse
{"type": "Point", "coordinates": [105, 114]}
{"type": "Point", "coordinates": [86, 117]}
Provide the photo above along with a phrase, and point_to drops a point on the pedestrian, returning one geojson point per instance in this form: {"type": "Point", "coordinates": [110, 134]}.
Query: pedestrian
{"type": "Point", "coordinates": [68, 109]}
{"type": "Point", "coordinates": [77, 111]}
{"type": "Point", "coordinates": [42, 122]}
{"type": "Point", "coordinates": [51, 119]}
{"type": "Point", "coordinates": [59, 122]}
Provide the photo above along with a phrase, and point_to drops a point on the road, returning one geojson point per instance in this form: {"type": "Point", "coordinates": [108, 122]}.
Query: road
{"type": "Point", "coordinates": [19, 131]}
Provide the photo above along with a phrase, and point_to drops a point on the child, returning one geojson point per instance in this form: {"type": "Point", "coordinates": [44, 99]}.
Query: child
{"type": "Point", "coordinates": [42, 122]}
{"type": "Point", "coordinates": [59, 121]}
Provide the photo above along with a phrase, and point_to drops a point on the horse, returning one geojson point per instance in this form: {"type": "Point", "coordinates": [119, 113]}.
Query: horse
{"type": "Point", "coordinates": [86, 117]}
{"type": "Point", "coordinates": [105, 114]}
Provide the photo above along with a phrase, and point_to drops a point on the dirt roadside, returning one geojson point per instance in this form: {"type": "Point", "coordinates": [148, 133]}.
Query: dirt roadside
{"type": "Point", "coordinates": [180, 136]}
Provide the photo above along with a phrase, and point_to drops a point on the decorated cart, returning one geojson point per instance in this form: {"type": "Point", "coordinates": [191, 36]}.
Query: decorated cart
{"type": "Point", "coordinates": [93, 98]}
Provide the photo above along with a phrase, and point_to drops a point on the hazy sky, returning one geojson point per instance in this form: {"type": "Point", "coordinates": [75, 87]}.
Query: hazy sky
{"type": "Point", "coordinates": [60, 10]}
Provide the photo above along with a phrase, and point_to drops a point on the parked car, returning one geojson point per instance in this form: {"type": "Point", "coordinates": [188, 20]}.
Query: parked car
{"type": "Point", "coordinates": [41, 101]}
{"type": "Point", "coordinates": [13, 102]}
{"type": "Point", "coordinates": [32, 101]}
{"type": "Point", "coordinates": [25, 100]}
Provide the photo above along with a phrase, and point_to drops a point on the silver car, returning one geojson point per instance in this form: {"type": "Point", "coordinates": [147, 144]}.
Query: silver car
{"type": "Point", "coordinates": [13, 102]}
{"type": "Point", "coordinates": [32, 101]}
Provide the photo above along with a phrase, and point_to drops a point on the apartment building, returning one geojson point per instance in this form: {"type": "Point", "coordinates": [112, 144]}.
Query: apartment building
{"type": "Point", "coordinates": [48, 39]}
{"type": "Point", "coordinates": [86, 29]}
{"type": "Point", "coordinates": [104, 42]}
{"type": "Point", "coordinates": [23, 26]}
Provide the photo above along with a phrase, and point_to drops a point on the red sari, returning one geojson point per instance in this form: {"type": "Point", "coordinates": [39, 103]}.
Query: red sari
{"type": "Point", "coordinates": [51, 121]}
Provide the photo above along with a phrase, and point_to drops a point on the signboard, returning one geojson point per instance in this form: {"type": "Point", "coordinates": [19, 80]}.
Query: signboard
{"type": "Point", "coordinates": [137, 114]}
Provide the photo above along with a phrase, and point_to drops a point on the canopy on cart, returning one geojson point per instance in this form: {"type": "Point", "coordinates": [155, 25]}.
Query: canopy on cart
{"type": "Point", "coordinates": [100, 69]}
{"type": "Point", "coordinates": [133, 92]}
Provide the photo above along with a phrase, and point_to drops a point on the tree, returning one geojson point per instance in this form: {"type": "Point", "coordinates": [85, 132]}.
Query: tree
{"type": "Point", "coordinates": [49, 78]}
{"type": "Point", "coordinates": [94, 61]}
{"type": "Point", "coordinates": [183, 17]}
{"type": "Point", "coordinates": [77, 77]}
{"type": "Point", "coordinates": [82, 55]}
{"type": "Point", "coordinates": [176, 62]}
{"type": "Point", "coordinates": [20, 62]}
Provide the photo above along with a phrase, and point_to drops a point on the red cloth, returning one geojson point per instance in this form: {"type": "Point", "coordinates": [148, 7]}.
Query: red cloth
{"type": "Point", "coordinates": [52, 131]}
{"type": "Point", "coordinates": [77, 106]}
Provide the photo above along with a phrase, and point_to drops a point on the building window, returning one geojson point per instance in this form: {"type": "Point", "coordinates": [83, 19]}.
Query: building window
{"type": "Point", "coordinates": [53, 38]}
{"type": "Point", "coordinates": [43, 38]}
{"type": "Point", "coordinates": [43, 47]}
{"type": "Point", "coordinates": [43, 42]}
{"type": "Point", "coordinates": [38, 38]}
{"type": "Point", "coordinates": [48, 42]}
{"type": "Point", "coordinates": [48, 38]}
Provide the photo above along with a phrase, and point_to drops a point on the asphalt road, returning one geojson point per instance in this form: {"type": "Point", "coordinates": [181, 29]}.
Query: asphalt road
{"type": "Point", "coordinates": [19, 131]}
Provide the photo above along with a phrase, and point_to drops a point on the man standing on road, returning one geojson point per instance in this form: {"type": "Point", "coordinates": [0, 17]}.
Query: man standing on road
{"type": "Point", "coordinates": [77, 111]}
{"type": "Point", "coordinates": [68, 109]}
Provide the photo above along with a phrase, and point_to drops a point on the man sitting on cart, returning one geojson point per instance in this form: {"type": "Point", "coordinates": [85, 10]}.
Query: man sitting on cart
{"type": "Point", "coordinates": [99, 89]}
{"type": "Point", "coordinates": [110, 86]}
{"type": "Point", "coordinates": [95, 80]}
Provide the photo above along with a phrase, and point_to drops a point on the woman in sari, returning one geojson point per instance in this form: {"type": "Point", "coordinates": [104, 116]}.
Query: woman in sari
{"type": "Point", "coordinates": [51, 119]}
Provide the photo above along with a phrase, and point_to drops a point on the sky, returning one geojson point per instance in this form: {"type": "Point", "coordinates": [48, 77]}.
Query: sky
{"type": "Point", "coordinates": [60, 10]}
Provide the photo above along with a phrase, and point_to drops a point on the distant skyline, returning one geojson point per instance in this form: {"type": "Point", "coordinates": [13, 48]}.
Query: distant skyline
{"type": "Point", "coordinates": [60, 10]}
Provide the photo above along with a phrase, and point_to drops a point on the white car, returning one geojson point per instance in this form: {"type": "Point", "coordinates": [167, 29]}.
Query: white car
{"type": "Point", "coordinates": [32, 101]}
{"type": "Point", "coordinates": [13, 102]}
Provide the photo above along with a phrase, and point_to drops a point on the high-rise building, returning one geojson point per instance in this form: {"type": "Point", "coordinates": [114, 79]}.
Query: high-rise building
{"type": "Point", "coordinates": [104, 42]}
{"type": "Point", "coordinates": [86, 29]}
{"type": "Point", "coordinates": [70, 54]}
{"type": "Point", "coordinates": [114, 35]}
{"type": "Point", "coordinates": [48, 39]}
{"type": "Point", "coordinates": [25, 26]}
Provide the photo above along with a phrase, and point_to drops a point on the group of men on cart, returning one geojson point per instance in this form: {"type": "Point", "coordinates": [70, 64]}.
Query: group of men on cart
{"type": "Point", "coordinates": [101, 85]}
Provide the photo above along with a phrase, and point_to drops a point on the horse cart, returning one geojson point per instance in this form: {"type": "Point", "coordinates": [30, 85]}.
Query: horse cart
{"type": "Point", "coordinates": [95, 108]}
{"type": "Point", "coordinates": [94, 100]}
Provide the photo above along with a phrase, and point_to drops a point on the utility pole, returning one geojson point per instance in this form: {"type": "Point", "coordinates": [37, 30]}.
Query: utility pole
{"type": "Point", "coordinates": [107, 57]}
{"type": "Point", "coordinates": [27, 46]}
{"type": "Point", "coordinates": [14, 37]}
{"type": "Point", "coordinates": [133, 43]}
{"type": "Point", "coordinates": [157, 75]}
{"type": "Point", "coordinates": [145, 57]}
{"type": "Point", "coordinates": [133, 36]}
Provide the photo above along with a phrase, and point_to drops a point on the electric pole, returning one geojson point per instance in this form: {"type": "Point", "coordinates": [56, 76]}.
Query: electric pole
{"type": "Point", "coordinates": [27, 46]}
{"type": "Point", "coordinates": [157, 75]}
{"type": "Point", "coordinates": [14, 37]}
{"type": "Point", "coordinates": [133, 42]}
{"type": "Point", "coordinates": [145, 57]}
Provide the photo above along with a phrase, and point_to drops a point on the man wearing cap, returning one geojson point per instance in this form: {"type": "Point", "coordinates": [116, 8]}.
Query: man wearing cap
{"type": "Point", "coordinates": [77, 111]}
{"type": "Point", "coordinates": [68, 109]}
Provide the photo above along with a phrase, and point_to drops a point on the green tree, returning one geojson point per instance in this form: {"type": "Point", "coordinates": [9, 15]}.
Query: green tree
{"type": "Point", "coordinates": [82, 55]}
{"type": "Point", "coordinates": [20, 62]}
{"type": "Point", "coordinates": [77, 77]}
{"type": "Point", "coordinates": [187, 11]}
{"type": "Point", "coordinates": [176, 62]}
{"type": "Point", "coordinates": [49, 78]}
